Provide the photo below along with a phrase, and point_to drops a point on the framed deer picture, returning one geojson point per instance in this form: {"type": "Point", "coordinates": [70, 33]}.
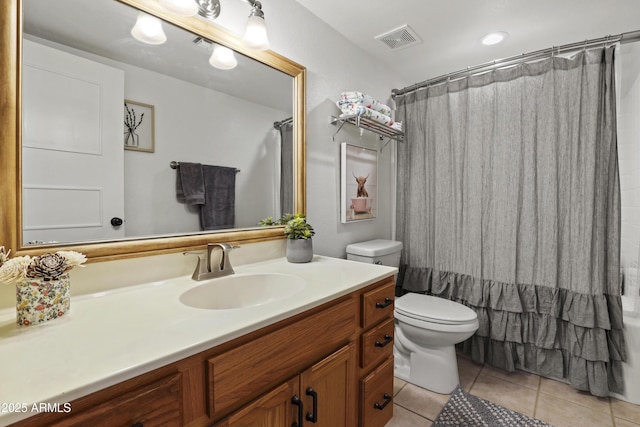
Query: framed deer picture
{"type": "Point", "coordinates": [359, 183]}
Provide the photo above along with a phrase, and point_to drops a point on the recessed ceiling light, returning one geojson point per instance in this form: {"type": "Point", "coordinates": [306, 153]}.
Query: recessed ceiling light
{"type": "Point", "coordinates": [494, 38]}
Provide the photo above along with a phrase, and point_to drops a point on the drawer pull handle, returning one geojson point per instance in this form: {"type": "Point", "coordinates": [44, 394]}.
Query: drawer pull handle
{"type": "Point", "coordinates": [387, 302]}
{"type": "Point", "coordinates": [387, 340]}
{"type": "Point", "coordinates": [313, 416]}
{"type": "Point", "coordinates": [296, 401]}
{"type": "Point", "coordinates": [138, 425]}
{"type": "Point", "coordinates": [387, 399]}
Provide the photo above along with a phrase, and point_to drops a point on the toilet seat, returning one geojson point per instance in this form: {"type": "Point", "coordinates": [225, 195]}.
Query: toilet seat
{"type": "Point", "coordinates": [427, 308]}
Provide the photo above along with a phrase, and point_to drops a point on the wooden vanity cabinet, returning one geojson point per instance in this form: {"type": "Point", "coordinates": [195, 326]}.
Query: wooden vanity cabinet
{"type": "Point", "coordinates": [251, 369]}
{"type": "Point", "coordinates": [337, 359]}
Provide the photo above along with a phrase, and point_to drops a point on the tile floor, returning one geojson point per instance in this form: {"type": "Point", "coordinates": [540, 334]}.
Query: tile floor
{"type": "Point", "coordinates": [551, 401]}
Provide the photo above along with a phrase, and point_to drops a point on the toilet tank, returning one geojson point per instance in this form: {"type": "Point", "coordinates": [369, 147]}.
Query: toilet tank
{"type": "Point", "coordinates": [379, 251]}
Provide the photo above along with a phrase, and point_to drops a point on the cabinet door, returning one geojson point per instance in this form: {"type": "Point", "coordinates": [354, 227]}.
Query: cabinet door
{"type": "Point", "coordinates": [329, 392]}
{"type": "Point", "coordinates": [274, 409]}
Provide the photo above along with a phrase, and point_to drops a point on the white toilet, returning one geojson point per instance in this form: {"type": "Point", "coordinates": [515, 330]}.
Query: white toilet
{"type": "Point", "coordinates": [427, 328]}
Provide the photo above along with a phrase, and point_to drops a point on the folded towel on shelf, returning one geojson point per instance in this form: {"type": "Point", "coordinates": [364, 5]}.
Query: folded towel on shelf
{"type": "Point", "coordinates": [368, 113]}
{"type": "Point", "coordinates": [218, 211]}
{"type": "Point", "coordinates": [190, 183]}
{"type": "Point", "coordinates": [364, 100]}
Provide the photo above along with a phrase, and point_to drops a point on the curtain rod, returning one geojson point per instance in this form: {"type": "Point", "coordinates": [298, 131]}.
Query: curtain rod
{"type": "Point", "coordinates": [623, 38]}
{"type": "Point", "coordinates": [281, 123]}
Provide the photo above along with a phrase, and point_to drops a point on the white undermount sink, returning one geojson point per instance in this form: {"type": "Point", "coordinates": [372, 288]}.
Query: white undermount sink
{"type": "Point", "coordinates": [242, 290]}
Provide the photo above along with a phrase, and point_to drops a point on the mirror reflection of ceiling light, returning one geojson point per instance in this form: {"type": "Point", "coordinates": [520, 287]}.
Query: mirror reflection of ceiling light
{"type": "Point", "coordinates": [222, 57]}
{"type": "Point", "coordinates": [148, 29]}
{"type": "Point", "coordinates": [494, 38]}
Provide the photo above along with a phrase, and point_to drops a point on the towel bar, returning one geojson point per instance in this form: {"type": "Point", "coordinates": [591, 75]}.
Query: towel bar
{"type": "Point", "coordinates": [174, 165]}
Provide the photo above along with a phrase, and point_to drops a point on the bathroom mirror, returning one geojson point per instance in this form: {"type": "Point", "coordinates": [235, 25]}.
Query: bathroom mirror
{"type": "Point", "coordinates": [200, 114]}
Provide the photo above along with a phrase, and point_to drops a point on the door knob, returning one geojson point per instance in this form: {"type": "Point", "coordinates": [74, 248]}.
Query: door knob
{"type": "Point", "coordinates": [116, 222]}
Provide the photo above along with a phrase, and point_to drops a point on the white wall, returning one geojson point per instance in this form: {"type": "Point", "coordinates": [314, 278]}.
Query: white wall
{"type": "Point", "coordinates": [629, 163]}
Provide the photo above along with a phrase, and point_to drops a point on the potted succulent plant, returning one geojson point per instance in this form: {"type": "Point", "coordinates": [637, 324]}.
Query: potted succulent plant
{"type": "Point", "coordinates": [42, 283]}
{"type": "Point", "coordinates": [299, 233]}
{"type": "Point", "coordinates": [299, 244]}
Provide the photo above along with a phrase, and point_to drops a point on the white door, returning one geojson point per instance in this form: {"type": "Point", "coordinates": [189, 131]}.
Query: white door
{"type": "Point", "coordinates": [72, 147]}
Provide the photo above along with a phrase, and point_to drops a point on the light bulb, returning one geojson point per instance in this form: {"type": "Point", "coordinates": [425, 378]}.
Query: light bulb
{"type": "Point", "coordinates": [222, 58]}
{"type": "Point", "coordinates": [255, 36]}
{"type": "Point", "coordinates": [180, 7]}
{"type": "Point", "coordinates": [148, 29]}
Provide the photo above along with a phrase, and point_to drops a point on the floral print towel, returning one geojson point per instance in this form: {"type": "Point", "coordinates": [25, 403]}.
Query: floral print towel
{"type": "Point", "coordinates": [368, 113]}
{"type": "Point", "coordinates": [364, 100]}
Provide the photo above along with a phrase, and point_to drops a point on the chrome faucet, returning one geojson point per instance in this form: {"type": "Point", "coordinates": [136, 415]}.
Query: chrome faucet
{"type": "Point", "coordinates": [205, 270]}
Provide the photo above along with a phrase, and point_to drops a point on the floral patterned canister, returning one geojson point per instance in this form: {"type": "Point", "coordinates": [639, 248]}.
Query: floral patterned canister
{"type": "Point", "coordinates": [39, 300]}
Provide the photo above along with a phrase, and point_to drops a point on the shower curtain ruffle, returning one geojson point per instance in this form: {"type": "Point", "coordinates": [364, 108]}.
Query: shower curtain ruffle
{"type": "Point", "coordinates": [554, 332]}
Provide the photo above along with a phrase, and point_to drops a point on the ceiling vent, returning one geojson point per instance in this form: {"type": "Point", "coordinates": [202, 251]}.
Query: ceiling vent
{"type": "Point", "coordinates": [399, 38]}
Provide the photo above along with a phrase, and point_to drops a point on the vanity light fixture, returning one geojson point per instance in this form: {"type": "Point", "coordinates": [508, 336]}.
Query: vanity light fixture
{"type": "Point", "coordinates": [494, 38]}
{"type": "Point", "coordinates": [255, 35]}
{"type": "Point", "coordinates": [222, 57]}
{"type": "Point", "coordinates": [148, 29]}
{"type": "Point", "coordinates": [209, 9]}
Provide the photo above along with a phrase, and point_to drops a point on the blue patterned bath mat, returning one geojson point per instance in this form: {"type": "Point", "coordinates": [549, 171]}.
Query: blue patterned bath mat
{"type": "Point", "coordinates": [464, 409]}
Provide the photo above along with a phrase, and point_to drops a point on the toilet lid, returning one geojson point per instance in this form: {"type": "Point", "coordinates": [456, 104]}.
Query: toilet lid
{"type": "Point", "coordinates": [434, 309]}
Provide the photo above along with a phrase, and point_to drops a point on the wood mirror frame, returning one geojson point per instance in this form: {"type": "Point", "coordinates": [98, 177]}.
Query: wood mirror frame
{"type": "Point", "coordinates": [11, 142]}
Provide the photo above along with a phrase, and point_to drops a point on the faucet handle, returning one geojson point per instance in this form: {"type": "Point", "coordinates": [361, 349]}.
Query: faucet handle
{"type": "Point", "coordinates": [203, 264]}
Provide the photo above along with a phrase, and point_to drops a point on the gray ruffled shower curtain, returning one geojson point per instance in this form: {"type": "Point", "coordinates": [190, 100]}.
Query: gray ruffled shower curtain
{"type": "Point", "coordinates": [509, 202]}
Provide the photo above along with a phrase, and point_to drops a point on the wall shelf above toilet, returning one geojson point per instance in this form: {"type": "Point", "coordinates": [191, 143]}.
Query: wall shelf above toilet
{"type": "Point", "coordinates": [379, 129]}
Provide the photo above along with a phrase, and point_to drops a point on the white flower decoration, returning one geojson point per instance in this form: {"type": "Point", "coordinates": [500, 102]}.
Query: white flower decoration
{"type": "Point", "coordinates": [73, 258]}
{"type": "Point", "coordinates": [14, 269]}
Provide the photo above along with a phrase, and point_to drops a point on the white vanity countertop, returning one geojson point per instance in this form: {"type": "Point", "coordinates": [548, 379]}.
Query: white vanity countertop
{"type": "Point", "coordinates": [110, 337]}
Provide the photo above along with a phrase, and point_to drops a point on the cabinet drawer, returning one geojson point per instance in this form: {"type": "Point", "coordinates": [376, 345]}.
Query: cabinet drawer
{"type": "Point", "coordinates": [156, 404]}
{"type": "Point", "coordinates": [377, 344]}
{"type": "Point", "coordinates": [376, 396]}
{"type": "Point", "coordinates": [378, 304]}
{"type": "Point", "coordinates": [241, 374]}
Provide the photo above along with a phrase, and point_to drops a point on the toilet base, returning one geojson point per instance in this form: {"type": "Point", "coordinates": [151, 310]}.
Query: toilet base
{"type": "Point", "coordinates": [435, 369]}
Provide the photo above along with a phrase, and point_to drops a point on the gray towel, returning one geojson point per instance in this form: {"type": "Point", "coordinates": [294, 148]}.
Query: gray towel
{"type": "Point", "coordinates": [190, 183]}
{"type": "Point", "coordinates": [218, 211]}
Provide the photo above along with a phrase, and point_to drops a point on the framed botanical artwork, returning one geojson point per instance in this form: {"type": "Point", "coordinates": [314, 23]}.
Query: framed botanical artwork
{"type": "Point", "coordinates": [359, 183]}
{"type": "Point", "coordinates": [139, 126]}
